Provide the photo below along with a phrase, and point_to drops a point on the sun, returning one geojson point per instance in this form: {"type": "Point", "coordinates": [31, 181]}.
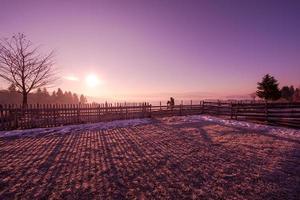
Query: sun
{"type": "Point", "coordinates": [92, 80]}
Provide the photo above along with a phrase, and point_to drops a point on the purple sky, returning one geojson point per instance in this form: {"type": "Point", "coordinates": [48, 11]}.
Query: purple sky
{"type": "Point", "coordinates": [157, 46]}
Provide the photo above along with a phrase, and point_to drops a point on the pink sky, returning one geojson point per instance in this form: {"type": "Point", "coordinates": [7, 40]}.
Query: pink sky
{"type": "Point", "coordinates": [149, 48]}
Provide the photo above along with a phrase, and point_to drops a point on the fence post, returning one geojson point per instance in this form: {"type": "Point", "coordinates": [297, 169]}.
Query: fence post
{"type": "Point", "coordinates": [160, 105]}
{"type": "Point", "coordinates": [236, 111]}
{"type": "Point", "coordinates": [219, 106]}
{"type": "Point", "coordinates": [1, 117]}
{"type": "Point", "coordinates": [15, 116]}
{"type": "Point", "coordinates": [231, 111]}
{"type": "Point", "coordinates": [54, 113]}
{"type": "Point", "coordinates": [106, 107]}
{"type": "Point", "coordinates": [9, 117]}
{"type": "Point", "coordinates": [266, 112]}
{"type": "Point", "coordinates": [180, 110]}
{"type": "Point", "coordinates": [78, 113]}
{"type": "Point", "coordinates": [203, 106]}
{"type": "Point", "coordinates": [198, 112]}
{"type": "Point", "coordinates": [99, 113]}
{"type": "Point", "coordinates": [143, 111]}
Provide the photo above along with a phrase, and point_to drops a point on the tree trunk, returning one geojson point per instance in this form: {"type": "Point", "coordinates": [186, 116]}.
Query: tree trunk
{"type": "Point", "coordinates": [24, 102]}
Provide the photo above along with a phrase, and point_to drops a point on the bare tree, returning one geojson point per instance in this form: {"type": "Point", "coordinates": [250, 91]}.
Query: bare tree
{"type": "Point", "coordinates": [22, 65]}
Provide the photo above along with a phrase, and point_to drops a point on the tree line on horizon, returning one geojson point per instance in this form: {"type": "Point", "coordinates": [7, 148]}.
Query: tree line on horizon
{"type": "Point", "coordinates": [268, 89]}
{"type": "Point", "coordinates": [41, 96]}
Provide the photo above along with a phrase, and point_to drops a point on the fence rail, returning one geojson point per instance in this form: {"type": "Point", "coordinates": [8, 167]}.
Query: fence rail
{"type": "Point", "coordinates": [16, 117]}
{"type": "Point", "coordinates": [33, 116]}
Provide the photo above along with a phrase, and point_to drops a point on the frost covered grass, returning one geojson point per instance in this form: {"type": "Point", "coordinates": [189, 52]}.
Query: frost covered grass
{"type": "Point", "coordinates": [280, 131]}
{"type": "Point", "coordinates": [75, 128]}
{"type": "Point", "coordinates": [192, 157]}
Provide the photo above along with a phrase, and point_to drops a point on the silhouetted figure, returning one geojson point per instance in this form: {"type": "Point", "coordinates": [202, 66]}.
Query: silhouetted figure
{"type": "Point", "coordinates": [171, 103]}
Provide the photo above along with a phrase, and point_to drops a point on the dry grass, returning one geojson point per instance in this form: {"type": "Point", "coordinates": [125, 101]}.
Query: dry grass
{"type": "Point", "coordinates": [187, 161]}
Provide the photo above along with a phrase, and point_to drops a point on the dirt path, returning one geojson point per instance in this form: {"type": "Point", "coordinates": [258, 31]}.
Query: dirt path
{"type": "Point", "coordinates": [154, 161]}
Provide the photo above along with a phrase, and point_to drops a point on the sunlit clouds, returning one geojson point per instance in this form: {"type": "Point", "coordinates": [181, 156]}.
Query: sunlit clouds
{"type": "Point", "coordinates": [71, 78]}
{"type": "Point", "coordinates": [90, 84]}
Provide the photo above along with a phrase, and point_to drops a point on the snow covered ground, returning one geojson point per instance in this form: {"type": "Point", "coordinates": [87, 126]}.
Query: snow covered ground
{"type": "Point", "coordinates": [74, 128]}
{"type": "Point", "coordinates": [279, 131]}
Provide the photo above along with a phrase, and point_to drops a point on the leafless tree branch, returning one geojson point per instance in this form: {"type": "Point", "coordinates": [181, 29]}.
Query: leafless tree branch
{"type": "Point", "coordinates": [22, 65]}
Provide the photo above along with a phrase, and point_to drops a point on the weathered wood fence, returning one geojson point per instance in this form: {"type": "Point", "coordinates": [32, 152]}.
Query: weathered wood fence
{"type": "Point", "coordinates": [16, 117]}
{"type": "Point", "coordinates": [272, 113]}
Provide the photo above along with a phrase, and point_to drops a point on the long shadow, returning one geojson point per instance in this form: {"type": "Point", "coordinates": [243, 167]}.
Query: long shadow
{"type": "Point", "coordinates": [179, 167]}
{"type": "Point", "coordinates": [168, 158]}
{"type": "Point", "coordinates": [264, 132]}
{"type": "Point", "coordinates": [236, 130]}
{"type": "Point", "coordinates": [114, 178]}
{"type": "Point", "coordinates": [51, 160]}
{"type": "Point", "coordinates": [26, 177]}
{"type": "Point", "coordinates": [149, 165]}
{"type": "Point", "coordinates": [286, 176]}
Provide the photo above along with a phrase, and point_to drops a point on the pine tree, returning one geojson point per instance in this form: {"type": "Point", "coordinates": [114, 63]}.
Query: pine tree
{"type": "Point", "coordinates": [53, 97]}
{"type": "Point", "coordinates": [268, 88]}
{"type": "Point", "coordinates": [292, 91]}
{"type": "Point", "coordinates": [39, 96]}
{"type": "Point", "coordinates": [45, 96]}
{"type": "Point", "coordinates": [59, 96]}
{"type": "Point", "coordinates": [69, 97]}
{"type": "Point", "coordinates": [12, 88]}
{"type": "Point", "coordinates": [75, 98]}
{"type": "Point", "coordinates": [82, 99]}
{"type": "Point", "coordinates": [287, 92]}
{"type": "Point", "coordinates": [296, 96]}
{"type": "Point", "coordinates": [13, 95]}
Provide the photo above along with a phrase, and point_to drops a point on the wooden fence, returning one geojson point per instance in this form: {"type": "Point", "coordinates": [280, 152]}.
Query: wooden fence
{"type": "Point", "coordinates": [272, 113]}
{"type": "Point", "coordinates": [16, 117]}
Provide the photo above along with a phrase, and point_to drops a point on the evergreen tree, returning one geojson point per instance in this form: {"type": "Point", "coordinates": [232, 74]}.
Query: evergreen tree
{"type": "Point", "coordinates": [292, 91]}
{"type": "Point", "coordinates": [39, 96]}
{"type": "Point", "coordinates": [53, 97]}
{"type": "Point", "coordinates": [59, 96]}
{"type": "Point", "coordinates": [268, 88]}
{"type": "Point", "coordinates": [65, 99]}
{"type": "Point", "coordinates": [287, 92]}
{"type": "Point", "coordinates": [296, 96]}
{"type": "Point", "coordinates": [68, 97]}
{"type": "Point", "coordinates": [45, 96]}
{"type": "Point", "coordinates": [82, 99]}
{"type": "Point", "coordinates": [13, 97]}
{"type": "Point", "coordinates": [12, 88]}
{"type": "Point", "coordinates": [75, 98]}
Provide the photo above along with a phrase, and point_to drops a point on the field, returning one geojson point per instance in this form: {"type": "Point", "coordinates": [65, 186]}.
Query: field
{"type": "Point", "coordinates": [169, 158]}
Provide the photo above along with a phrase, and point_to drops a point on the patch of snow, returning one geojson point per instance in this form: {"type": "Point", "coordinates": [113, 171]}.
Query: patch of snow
{"type": "Point", "coordinates": [279, 131]}
{"type": "Point", "coordinates": [73, 128]}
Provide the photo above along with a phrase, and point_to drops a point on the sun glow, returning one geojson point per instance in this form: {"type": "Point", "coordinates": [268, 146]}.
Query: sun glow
{"type": "Point", "coordinates": [92, 80]}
